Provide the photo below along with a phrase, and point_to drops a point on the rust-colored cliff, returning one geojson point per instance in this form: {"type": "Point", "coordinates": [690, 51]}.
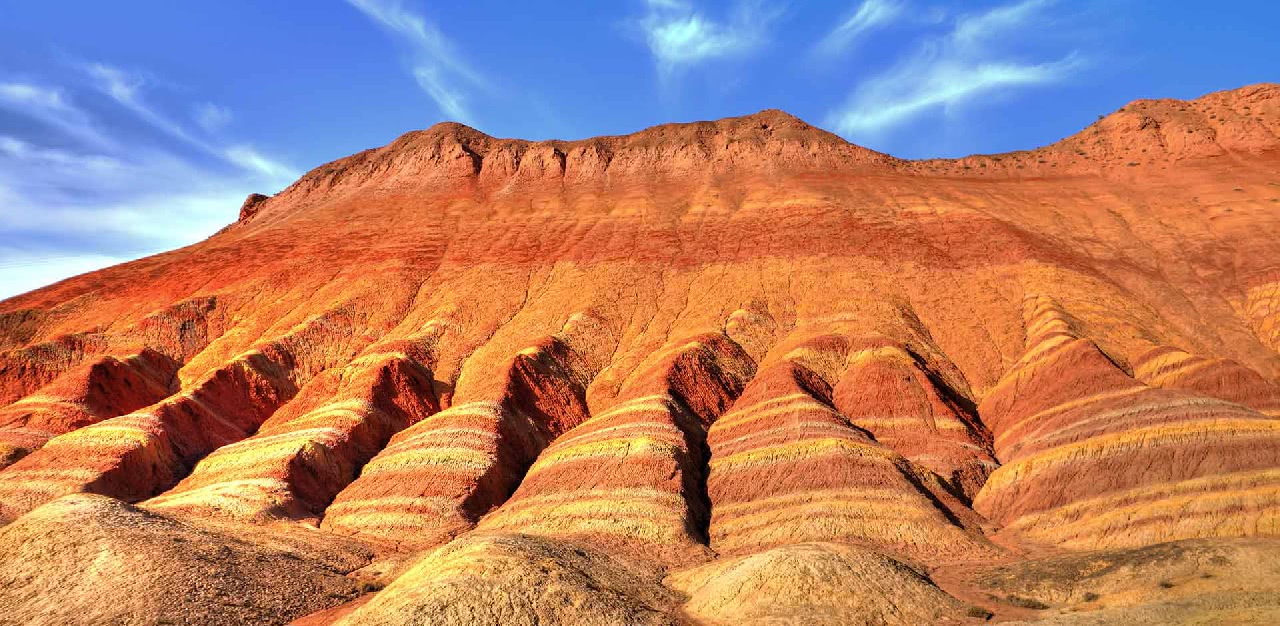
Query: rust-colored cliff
{"type": "Point", "coordinates": [721, 372]}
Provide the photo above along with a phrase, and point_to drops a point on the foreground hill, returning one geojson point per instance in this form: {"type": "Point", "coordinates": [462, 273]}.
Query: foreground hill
{"type": "Point", "coordinates": [719, 372]}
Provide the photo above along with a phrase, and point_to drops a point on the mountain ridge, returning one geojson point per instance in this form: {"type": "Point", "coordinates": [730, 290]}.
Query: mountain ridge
{"type": "Point", "coordinates": [1147, 132]}
{"type": "Point", "coordinates": [728, 370]}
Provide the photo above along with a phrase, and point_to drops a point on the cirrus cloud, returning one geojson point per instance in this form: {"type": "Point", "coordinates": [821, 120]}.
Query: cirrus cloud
{"type": "Point", "coordinates": [967, 61]}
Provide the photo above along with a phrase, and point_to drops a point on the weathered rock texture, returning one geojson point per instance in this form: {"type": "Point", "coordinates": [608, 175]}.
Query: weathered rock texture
{"type": "Point", "coordinates": [722, 372]}
{"type": "Point", "coordinates": [1092, 457]}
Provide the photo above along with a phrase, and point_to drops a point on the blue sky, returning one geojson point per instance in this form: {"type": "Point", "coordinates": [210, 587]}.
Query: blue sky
{"type": "Point", "coordinates": [128, 128]}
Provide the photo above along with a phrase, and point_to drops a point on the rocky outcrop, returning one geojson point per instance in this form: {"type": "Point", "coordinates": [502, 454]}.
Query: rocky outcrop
{"type": "Point", "coordinates": [251, 206]}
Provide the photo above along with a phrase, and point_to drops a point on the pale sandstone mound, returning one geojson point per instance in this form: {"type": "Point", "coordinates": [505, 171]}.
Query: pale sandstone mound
{"type": "Point", "coordinates": [1092, 457]}
{"type": "Point", "coordinates": [106, 388]}
{"type": "Point", "coordinates": [630, 479]}
{"type": "Point", "coordinates": [87, 559]}
{"type": "Point", "coordinates": [816, 583]}
{"type": "Point", "coordinates": [1198, 581]}
{"type": "Point", "coordinates": [520, 581]}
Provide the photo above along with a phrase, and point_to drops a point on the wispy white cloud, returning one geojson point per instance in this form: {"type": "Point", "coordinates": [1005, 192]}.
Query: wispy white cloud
{"type": "Point", "coordinates": [974, 31]}
{"type": "Point", "coordinates": [435, 63]}
{"type": "Point", "coordinates": [84, 197]}
{"type": "Point", "coordinates": [126, 89]}
{"type": "Point", "coordinates": [211, 117]}
{"type": "Point", "coordinates": [250, 159]}
{"type": "Point", "coordinates": [51, 107]}
{"type": "Point", "coordinates": [680, 36]}
{"type": "Point", "coordinates": [870, 15]}
{"type": "Point", "coordinates": [952, 69]}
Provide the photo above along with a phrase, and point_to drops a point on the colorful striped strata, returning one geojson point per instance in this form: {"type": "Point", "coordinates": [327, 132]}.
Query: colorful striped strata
{"type": "Point", "coordinates": [891, 393]}
{"type": "Point", "coordinates": [436, 478]}
{"type": "Point", "coordinates": [1094, 457]}
{"type": "Point", "coordinates": [788, 468]}
{"type": "Point", "coordinates": [1216, 378]}
{"type": "Point", "coordinates": [630, 478]}
{"type": "Point", "coordinates": [85, 395]}
{"type": "Point", "coordinates": [136, 456]}
{"type": "Point", "coordinates": [312, 447]}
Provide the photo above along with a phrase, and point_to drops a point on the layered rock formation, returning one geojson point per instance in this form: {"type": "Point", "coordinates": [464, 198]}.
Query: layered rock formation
{"type": "Point", "coordinates": [722, 372]}
{"type": "Point", "coordinates": [106, 388]}
{"type": "Point", "coordinates": [1092, 457]}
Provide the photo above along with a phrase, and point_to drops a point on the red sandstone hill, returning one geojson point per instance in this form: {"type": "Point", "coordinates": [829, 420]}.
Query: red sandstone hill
{"type": "Point", "coordinates": [721, 372]}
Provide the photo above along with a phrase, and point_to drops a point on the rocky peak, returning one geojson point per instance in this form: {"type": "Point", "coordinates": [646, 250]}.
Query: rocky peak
{"type": "Point", "coordinates": [451, 153]}
{"type": "Point", "coordinates": [1143, 133]}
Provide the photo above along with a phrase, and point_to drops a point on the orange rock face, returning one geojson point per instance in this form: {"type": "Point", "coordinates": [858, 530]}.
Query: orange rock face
{"type": "Point", "coordinates": [1092, 457]}
{"type": "Point", "coordinates": [106, 388]}
{"type": "Point", "coordinates": [714, 372]}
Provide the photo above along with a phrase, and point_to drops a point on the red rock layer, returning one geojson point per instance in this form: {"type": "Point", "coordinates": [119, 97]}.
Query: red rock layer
{"type": "Point", "coordinates": [630, 478]}
{"type": "Point", "coordinates": [436, 479]}
{"type": "Point", "coordinates": [890, 392]}
{"type": "Point", "coordinates": [85, 395]}
{"type": "Point", "coordinates": [175, 332]}
{"type": "Point", "coordinates": [315, 445]}
{"type": "Point", "coordinates": [788, 468]}
{"type": "Point", "coordinates": [25, 370]}
{"type": "Point", "coordinates": [138, 455]}
{"type": "Point", "coordinates": [1092, 457]}
{"type": "Point", "coordinates": [1216, 378]}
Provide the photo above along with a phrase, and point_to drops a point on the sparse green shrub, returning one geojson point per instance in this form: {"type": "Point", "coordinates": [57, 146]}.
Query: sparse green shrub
{"type": "Point", "coordinates": [979, 612]}
{"type": "Point", "coordinates": [1026, 603]}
